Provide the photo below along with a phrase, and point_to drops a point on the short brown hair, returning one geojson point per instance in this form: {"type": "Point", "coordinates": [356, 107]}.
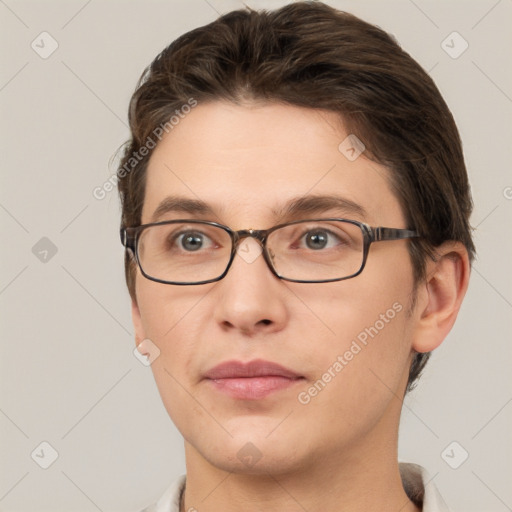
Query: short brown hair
{"type": "Point", "coordinates": [311, 55]}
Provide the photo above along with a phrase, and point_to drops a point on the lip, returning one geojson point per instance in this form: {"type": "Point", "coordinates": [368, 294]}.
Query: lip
{"type": "Point", "coordinates": [254, 368]}
{"type": "Point", "coordinates": [252, 380]}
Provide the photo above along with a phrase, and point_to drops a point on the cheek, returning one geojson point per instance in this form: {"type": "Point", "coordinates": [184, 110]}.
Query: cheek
{"type": "Point", "coordinates": [166, 310]}
{"type": "Point", "coordinates": [172, 319]}
{"type": "Point", "coordinates": [360, 374]}
{"type": "Point", "coordinates": [363, 359]}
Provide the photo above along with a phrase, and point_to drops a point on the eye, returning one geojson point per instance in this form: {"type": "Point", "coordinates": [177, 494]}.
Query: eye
{"type": "Point", "coordinates": [322, 238]}
{"type": "Point", "coordinates": [191, 241]}
{"type": "Point", "coordinates": [316, 239]}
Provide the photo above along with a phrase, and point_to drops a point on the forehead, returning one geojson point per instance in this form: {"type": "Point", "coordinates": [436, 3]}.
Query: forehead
{"type": "Point", "coordinates": [247, 162]}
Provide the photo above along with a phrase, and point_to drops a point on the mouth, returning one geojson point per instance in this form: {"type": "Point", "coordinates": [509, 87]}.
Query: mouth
{"type": "Point", "coordinates": [251, 381]}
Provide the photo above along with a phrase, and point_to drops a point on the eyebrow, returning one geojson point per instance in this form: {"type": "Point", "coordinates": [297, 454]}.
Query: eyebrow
{"type": "Point", "coordinates": [317, 204]}
{"type": "Point", "coordinates": [295, 207]}
{"type": "Point", "coordinates": [183, 205]}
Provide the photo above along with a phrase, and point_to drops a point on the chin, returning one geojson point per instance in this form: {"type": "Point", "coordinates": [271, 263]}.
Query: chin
{"type": "Point", "coordinates": [251, 453]}
{"type": "Point", "coordinates": [250, 460]}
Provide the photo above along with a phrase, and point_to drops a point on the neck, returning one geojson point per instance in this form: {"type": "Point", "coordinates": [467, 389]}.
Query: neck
{"type": "Point", "coordinates": [349, 482]}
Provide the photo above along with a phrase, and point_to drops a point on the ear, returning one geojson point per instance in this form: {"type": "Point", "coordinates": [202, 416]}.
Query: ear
{"type": "Point", "coordinates": [137, 323]}
{"type": "Point", "coordinates": [440, 296]}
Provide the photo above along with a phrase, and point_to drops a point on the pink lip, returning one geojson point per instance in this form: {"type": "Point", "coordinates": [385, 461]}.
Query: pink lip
{"type": "Point", "coordinates": [250, 381]}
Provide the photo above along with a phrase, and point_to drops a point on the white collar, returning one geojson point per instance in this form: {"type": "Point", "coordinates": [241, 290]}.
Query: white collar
{"type": "Point", "coordinates": [417, 485]}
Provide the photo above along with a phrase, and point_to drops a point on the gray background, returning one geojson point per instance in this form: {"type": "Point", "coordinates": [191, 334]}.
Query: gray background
{"type": "Point", "coordinates": [67, 372]}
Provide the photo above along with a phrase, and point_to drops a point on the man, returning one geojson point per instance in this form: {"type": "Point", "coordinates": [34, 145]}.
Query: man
{"type": "Point", "coordinates": [295, 212]}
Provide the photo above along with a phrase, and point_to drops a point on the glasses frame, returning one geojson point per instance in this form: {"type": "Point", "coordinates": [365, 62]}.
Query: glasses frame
{"type": "Point", "coordinates": [130, 238]}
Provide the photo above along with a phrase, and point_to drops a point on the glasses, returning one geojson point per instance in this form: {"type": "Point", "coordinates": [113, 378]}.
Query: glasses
{"type": "Point", "coordinates": [187, 252]}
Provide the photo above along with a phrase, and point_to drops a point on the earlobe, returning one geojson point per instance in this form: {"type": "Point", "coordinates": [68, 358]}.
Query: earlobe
{"type": "Point", "coordinates": [441, 295]}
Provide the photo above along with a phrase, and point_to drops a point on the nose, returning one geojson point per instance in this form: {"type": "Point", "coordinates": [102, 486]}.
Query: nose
{"type": "Point", "coordinates": [250, 298]}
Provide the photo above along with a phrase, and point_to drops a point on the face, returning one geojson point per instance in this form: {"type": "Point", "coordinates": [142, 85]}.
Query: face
{"type": "Point", "coordinates": [347, 341]}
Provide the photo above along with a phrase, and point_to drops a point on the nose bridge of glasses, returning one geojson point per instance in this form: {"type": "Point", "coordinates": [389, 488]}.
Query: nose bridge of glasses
{"type": "Point", "coordinates": [258, 234]}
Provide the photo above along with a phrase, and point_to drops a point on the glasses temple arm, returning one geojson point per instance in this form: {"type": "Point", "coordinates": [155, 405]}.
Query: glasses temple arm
{"type": "Point", "coordinates": [381, 233]}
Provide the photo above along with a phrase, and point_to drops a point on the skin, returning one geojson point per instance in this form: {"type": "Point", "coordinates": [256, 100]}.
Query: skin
{"type": "Point", "coordinates": [342, 446]}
